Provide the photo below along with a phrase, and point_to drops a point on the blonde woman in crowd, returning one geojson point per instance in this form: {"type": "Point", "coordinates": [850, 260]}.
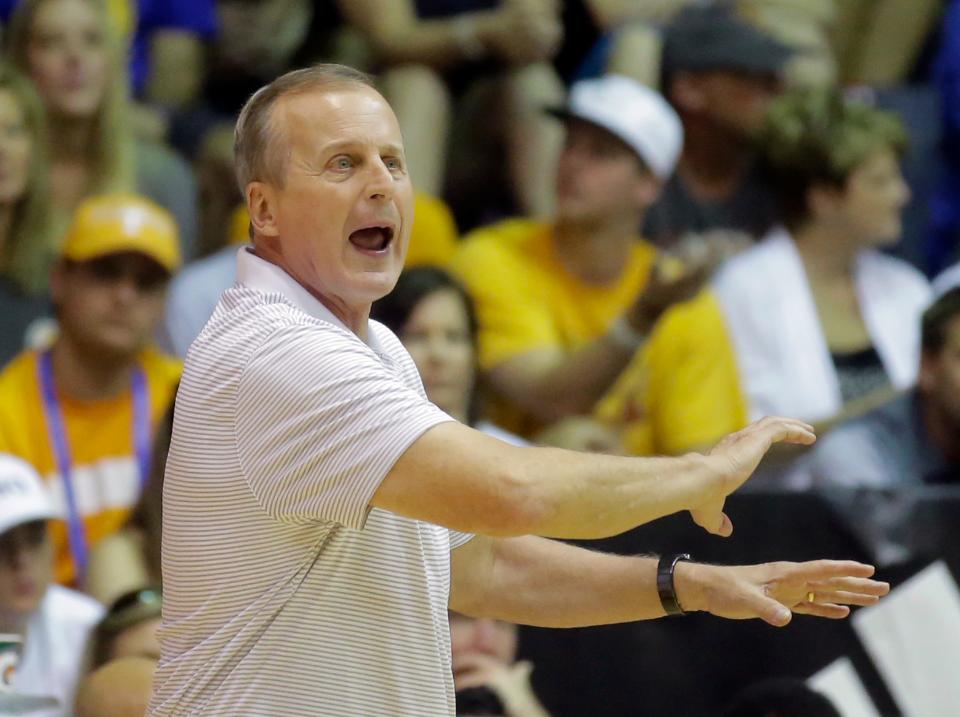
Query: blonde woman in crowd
{"type": "Point", "coordinates": [26, 238]}
{"type": "Point", "coordinates": [71, 52]}
{"type": "Point", "coordinates": [26, 230]}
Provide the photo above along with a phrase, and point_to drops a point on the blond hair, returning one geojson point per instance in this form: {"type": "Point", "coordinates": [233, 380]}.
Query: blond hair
{"type": "Point", "coordinates": [111, 154]}
{"type": "Point", "coordinates": [29, 249]}
{"type": "Point", "coordinates": [257, 156]}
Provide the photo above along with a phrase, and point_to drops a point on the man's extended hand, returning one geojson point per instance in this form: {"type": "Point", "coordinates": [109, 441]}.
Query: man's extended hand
{"type": "Point", "coordinates": [773, 592]}
{"type": "Point", "coordinates": [736, 457]}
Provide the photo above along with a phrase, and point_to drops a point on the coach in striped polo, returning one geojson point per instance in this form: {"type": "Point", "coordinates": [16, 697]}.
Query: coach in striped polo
{"type": "Point", "coordinates": [320, 515]}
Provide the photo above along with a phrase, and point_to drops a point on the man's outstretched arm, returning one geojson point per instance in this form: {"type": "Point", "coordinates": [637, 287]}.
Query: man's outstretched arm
{"type": "Point", "coordinates": [537, 581]}
{"type": "Point", "coordinates": [462, 479]}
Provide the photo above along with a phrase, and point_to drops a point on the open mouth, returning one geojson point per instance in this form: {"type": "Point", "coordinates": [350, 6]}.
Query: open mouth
{"type": "Point", "coordinates": [372, 238]}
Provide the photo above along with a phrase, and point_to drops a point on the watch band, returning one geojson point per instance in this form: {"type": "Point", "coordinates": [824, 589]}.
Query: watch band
{"type": "Point", "coordinates": [668, 595]}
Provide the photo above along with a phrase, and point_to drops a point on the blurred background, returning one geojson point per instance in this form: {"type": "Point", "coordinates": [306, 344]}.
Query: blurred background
{"type": "Point", "coordinates": [640, 224]}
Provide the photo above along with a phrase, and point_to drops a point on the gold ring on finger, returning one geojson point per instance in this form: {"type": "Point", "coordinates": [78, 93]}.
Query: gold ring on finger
{"type": "Point", "coordinates": [811, 596]}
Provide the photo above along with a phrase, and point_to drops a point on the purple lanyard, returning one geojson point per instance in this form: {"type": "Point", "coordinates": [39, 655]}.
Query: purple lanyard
{"type": "Point", "coordinates": [61, 449]}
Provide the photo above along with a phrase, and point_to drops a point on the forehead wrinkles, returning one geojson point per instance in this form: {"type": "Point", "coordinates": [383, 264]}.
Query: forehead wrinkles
{"type": "Point", "coordinates": [359, 115]}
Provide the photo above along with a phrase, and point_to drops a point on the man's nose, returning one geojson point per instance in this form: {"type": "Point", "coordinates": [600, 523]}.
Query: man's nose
{"type": "Point", "coordinates": [126, 287]}
{"type": "Point", "coordinates": [381, 182]}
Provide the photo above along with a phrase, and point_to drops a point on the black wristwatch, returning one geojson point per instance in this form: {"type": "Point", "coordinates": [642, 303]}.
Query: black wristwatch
{"type": "Point", "coordinates": [668, 595]}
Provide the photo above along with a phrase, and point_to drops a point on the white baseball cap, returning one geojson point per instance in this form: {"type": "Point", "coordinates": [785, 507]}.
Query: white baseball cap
{"type": "Point", "coordinates": [23, 498]}
{"type": "Point", "coordinates": [634, 113]}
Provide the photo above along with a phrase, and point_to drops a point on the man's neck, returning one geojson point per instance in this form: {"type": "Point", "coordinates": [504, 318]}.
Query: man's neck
{"type": "Point", "coordinates": [356, 320]}
{"type": "Point", "coordinates": [83, 376]}
{"type": "Point", "coordinates": [713, 164]}
{"type": "Point", "coordinates": [596, 253]}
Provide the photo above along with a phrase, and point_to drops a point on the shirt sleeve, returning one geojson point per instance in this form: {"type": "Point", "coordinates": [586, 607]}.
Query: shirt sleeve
{"type": "Point", "coordinates": [320, 422]}
{"type": "Point", "coordinates": [682, 391]}
{"type": "Point", "coordinates": [457, 538]}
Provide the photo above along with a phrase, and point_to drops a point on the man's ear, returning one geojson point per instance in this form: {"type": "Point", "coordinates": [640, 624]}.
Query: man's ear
{"type": "Point", "coordinates": [261, 204]}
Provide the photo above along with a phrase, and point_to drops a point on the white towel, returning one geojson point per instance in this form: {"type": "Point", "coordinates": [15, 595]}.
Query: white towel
{"type": "Point", "coordinates": [782, 356]}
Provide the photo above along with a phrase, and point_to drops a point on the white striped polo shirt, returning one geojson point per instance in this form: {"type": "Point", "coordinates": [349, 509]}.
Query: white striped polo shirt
{"type": "Point", "coordinates": [284, 592]}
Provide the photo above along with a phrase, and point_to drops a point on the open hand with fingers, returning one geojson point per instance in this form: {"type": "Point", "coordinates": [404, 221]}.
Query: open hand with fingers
{"type": "Point", "coordinates": [774, 592]}
{"type": "Point", "coordinates": [736, 457]}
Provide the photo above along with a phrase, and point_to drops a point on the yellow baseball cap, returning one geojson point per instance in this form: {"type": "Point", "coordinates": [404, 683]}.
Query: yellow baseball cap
{"type": "Point", "coordinates": [113, 223]}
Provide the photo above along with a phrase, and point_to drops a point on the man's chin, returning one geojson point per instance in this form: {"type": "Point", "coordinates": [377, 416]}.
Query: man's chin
{"type": "Point", "coordinates": [116, 349]}
{"type": "Point", "coordinates": [378, 284]}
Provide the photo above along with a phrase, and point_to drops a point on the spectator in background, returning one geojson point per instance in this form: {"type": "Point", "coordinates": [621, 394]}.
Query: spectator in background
{"type": "Point", "coordinates": [71, 53]}
{"type": "Point", "coordinates": [118, 689]}
{"type": "Point", "coordinates": [819, 318]}
{"type": "Point", "coordinates": [129, 628]}
{"type": "Point", "coordinates": [720, 73]}
{"type": "Point", "coordinates": [877, 42]}
{"type": "Point", "coordinates": [167, 48]}
{"type": "Point", "coordinates": [633, 44]}
{"type": "Point", "coordinates": [912, 439]}
{"type": "Point", "coordinates": [82, 411]}
{"type": "Point", "coordinates": [255, 42]}
{"type": "Point", "coordinates": [127, 561]}
{"type": "Point", "coordinates": [27, 239]}
{"type": "Point", "coordinates": [196, 290]}
{"type": "Point", "coordinates": [486, 675]}
{"type": "Point", "coordinates": [434, 318]}
{"type": "Point", "coordinates": [165, 40]}
{"type": "Point", "coordinates": [563, 306]}
{"type": "Point", "coordinates": [820, 322]}
{"type": "Point", "coordinates": [54, 622]}
{"type": "Point", "coordinates": [166, 45]}
{"type": "Point", "coordinates": [431, 51]}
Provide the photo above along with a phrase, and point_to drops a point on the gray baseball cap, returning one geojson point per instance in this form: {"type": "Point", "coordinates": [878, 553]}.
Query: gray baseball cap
{"type": "Point", "coordinates": [714, 37]}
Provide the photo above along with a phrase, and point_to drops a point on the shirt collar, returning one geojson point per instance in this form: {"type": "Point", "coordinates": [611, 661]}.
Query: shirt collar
{"type": "Point", "coordinates": [264, 276]}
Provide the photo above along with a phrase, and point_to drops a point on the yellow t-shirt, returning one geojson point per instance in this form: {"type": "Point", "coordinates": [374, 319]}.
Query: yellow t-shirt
{"type": "Point", "coordinates": [683, 391]}
{"type": "Point", "coordinates": [526, 300]}
{"type": "Point", "coordinates": [433, 239]}
{"type": "Point", "coordinates": [105, 475]}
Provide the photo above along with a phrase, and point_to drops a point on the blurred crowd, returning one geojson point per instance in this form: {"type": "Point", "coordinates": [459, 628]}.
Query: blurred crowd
{"type": "Point", "coordinates": [639, 225]}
